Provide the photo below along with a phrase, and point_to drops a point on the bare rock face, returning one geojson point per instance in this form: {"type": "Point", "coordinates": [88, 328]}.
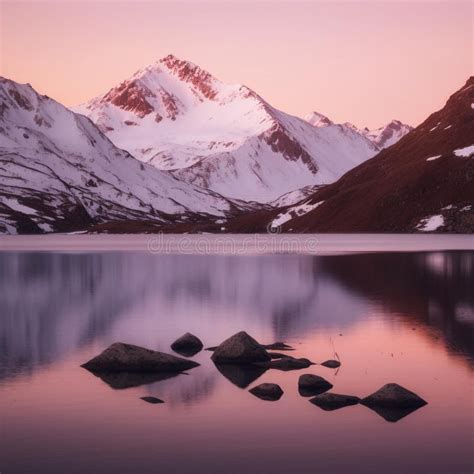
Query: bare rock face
{"type": "Point", "coordinates": [152, 400]}
{"type": "Point", "coordinates": [267, 391]}
{"type": "Point", "coordinates": [286, 363]}
{"type": "Point", "coordinates": [393, 395]}
{"type": "Point", "coordinates": [188, 345]}
{"type": "Point", "coordinates": [130, 358]}
{"type": "Point", "coordinates": [334, 401]}
{"type": "Point", "coordinates": [240, 349]}
{"type": "Point", "coordinates": [332, 364]}
{"type": "Point", "coordinates": [309, 384]}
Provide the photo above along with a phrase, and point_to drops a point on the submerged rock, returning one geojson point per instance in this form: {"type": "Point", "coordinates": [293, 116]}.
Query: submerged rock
{"type": "Point", "coordinates": [267, 391]}
{"type": "Point", "coordinates": [309, 384]}
{"type": "Point", "coordinates": [188, 345]}
{"type": "Point", "coordinates": [393, 395]}
{"type": "Point", "coordinates": [240, 375]}
{"type": "Point", "coordinates": [127, 357]}
{"type": "Point", "coordinates": [279, 346]}
{"type": "Point", "coordinates": [153, 400]}
{"type": "Point", "coordinates": [333, 401]}
{"type": "Point", "coordinates": [240, 349]}
{"type": "Point", "coordinates": [286, 363]}
{"type": "Point", "coordinates": [332, 364]}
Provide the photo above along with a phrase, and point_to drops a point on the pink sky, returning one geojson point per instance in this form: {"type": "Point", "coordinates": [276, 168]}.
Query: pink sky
{"type": "Point", "coordinates": [365, 62]}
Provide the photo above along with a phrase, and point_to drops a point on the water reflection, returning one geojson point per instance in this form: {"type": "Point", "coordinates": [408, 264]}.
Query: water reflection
{"type": "Point", "coordinates": [404, 318]}
{"type": "Point", "coordinates": [52, 304]}
{"type": "Point", "coordinates": [240, 375]}
{"type": "Point", "coordinates": [435, 289]}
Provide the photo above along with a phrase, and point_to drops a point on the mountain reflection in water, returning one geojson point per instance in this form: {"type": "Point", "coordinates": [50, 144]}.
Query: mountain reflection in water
{"type": "Point", "coordinates": [405, 318]}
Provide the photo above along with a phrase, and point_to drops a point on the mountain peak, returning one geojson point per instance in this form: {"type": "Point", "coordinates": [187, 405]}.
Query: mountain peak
{"type": "Point", "coordinates": [318, 120]}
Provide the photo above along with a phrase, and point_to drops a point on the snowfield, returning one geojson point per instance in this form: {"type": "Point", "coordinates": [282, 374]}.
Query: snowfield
{"type": "Point", "coordinates": [465, 152]}
{"type": "Point", "coordinates": [431, 224]}
{"type": "Point", "coordinates": [295, 211]}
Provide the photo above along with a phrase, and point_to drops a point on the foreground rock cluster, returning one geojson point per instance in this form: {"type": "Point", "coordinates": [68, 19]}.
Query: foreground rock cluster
{"type": "Point", "coordinates": [241, 359]}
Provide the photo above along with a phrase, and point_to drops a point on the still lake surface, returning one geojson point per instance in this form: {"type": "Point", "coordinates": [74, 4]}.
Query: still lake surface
{"type": "Point", "coordinates": [392, 316]}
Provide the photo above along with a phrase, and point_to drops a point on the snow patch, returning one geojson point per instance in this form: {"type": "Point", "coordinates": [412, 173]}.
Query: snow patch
{"type": "Point", "coordinates": [13, 203]}
{"type": "Point", "coordinates": [296, 211]}
{"type": "Point", "coordinates": [432, 223]}
{"type": "Point", "coordinates": [432, 158]}
{"type": "Point", "coordinates": [465, 152]}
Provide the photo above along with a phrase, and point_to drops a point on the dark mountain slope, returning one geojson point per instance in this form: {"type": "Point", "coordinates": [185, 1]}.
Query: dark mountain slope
{"type": "Point", "coordinates": [423, 182]}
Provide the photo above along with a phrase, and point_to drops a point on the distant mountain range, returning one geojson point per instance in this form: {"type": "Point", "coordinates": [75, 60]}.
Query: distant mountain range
{"type": "Point", "coordinates": [178, 117]}
{"type": "Point", "coordinates": [425, 182]}
{"type": "Point", "coordinates": [382, 137]}
{"type": "Point", "coordinates": [174, 149]}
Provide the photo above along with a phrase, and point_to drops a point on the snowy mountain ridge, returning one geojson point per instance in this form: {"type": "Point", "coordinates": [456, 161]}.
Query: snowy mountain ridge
{"type": "Point", "coordinates": [180, 118]}
{"type": "Point", "coordinates": [381, 137]}
{"type": "Point", "coordinates": [59, 172]}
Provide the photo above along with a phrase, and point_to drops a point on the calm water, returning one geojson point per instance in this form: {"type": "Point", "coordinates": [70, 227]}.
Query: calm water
{"type": "Point", "coordinates": [391, 317]}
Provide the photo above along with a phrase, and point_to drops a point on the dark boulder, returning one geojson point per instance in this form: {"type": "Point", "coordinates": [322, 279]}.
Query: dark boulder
{"type": "Point", "coordinates": [130, 358]}
{"type": "Point", "coordinates": [332, 364]}
{"type": "Point", "coordinates": [267, 391]}
{"type": "Point", "coordinates": [153, 400]}
{"type": "Point", "coordinates": [240, 349]}
{"type": "Point", "coordinates": [393, 395]}
{"type": "Point", "coordinates": [187, 345]}
{"type": "Point", "coordinates": [333, 401]}
{"type": "Point", "coordinates": [286, 363]}
{"type": "Point", "coordinates": [309, 384]}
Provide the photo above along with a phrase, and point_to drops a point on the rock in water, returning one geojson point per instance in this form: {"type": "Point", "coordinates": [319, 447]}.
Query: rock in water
{"type": "Point", "coordinates": [130, 358]}
{"type": "Point", "coordinates": [279, 346]}
{"type": "Point", "coordinates": [332, 364]}
{"type": "Point", "coordinates": [153, 400]}
{"type": "Point", "coordinates": [334, 401]}
{"type": "Point", "coordinates": [187, 345]}
{"type": "Point", "coordinates": [286, 363]}
{"type": "Point", "coordinates": [393, 395]}
{"type": "Point", "coordinates": [267, 391]}
{"type": "Point", "coordinates": [309, 384]}
{"type": "Point", "coordinates": [240, 349]}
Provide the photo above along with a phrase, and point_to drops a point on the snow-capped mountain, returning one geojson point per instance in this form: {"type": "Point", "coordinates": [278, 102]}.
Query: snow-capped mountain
{"type": "Point", "coordinates": [179, 118]}
{"type": "Point", "coordinates": [381, 137]}
{"type": "Point", "coordinates": [389, 134]}
{"type": "Point", "coordinates": [60, 173]}
{"type": "Point", "coordinates": [424, 182]}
